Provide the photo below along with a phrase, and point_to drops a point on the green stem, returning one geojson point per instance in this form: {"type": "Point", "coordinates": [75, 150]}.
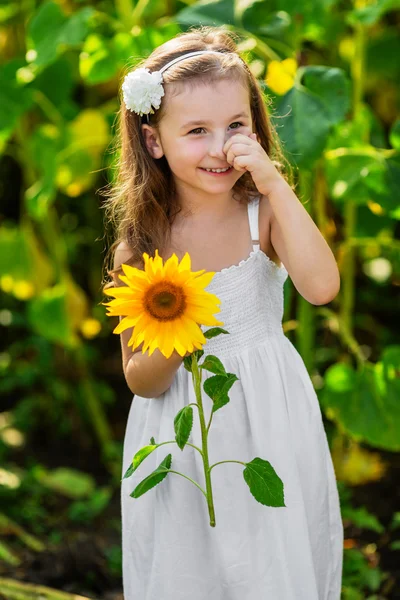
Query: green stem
{"type": "Point", "coordinates": [187, 444]}
{"type": "Point", "coordinates": [124, 9]}
{"type": "Point", "coordinates": [350, 209]}
{"type": "Point", "coordinates": [186, 477]}
{"type": "Point", "coordinates": [239, 462]}
{"type": "Point", "coordinates": [305, 333]}
{"type": "Point", "coordinates": [197, 387]}
{"type": "Point", "coordinates": [339, 327]}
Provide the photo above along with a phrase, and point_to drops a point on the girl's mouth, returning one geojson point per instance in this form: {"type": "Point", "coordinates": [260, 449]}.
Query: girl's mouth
{"type": "Point", "coordinates": [218, 172]}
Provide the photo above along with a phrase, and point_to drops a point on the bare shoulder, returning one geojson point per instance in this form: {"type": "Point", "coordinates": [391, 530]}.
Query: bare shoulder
{"type": "Point", "coordinates": [122, 255]}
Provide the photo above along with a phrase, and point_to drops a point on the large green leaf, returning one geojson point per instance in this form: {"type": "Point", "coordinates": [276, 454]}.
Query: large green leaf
{"type": "Point", "coordinates": [154, 478]}
{"type": "Point", "coordinates": [264, 483]}
{"type": "Point", "coordinates": [56, 82]}
{"type": "Point", "coordinates": [318, 100]}
{"type": "Point", "coordinates": [51, 31]}
{"type": "Point", "coordinates": [183, 424]}
{"type": "Point", "coordinates": [208, 12]}
{"type": "Point", "coordinates": [363, 174]}
{"type": "Point", "coordinates": [15, 99]}
{"type": "Point", "coordinates": [371, 13]}
{"type": "Point", "coordinates": [366, 402]}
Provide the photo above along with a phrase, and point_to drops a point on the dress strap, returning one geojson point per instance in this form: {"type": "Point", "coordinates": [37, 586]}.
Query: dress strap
{"type": "Point", "coordinates": [252, 209]}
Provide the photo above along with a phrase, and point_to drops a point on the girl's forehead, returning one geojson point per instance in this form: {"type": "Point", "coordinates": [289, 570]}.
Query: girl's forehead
{"type": "Point", "coordinates": [206, 100]}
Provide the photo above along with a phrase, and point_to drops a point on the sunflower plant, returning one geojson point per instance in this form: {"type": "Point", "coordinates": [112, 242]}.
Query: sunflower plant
{"type": "Point", "coordinates": [165, 304]}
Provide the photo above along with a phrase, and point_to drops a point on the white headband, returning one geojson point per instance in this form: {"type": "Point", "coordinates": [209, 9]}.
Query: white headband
{"type": "Point", "coordinates": [143, 90]}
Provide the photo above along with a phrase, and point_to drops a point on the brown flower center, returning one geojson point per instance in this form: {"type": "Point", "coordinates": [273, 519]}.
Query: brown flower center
{"type": "Point", "coordinates": [165, 301]}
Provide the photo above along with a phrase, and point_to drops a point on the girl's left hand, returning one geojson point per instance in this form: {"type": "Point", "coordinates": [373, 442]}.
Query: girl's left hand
{"type": "Point", "coordinates": [245, 153]}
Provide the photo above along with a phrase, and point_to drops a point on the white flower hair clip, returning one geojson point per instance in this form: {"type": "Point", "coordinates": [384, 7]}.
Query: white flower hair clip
{"type": "Point", "coordinates": [142, 90]}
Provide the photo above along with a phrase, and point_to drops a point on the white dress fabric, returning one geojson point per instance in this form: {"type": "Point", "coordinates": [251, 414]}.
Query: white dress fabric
{"type": "Point", "coordinates": [170, 551]}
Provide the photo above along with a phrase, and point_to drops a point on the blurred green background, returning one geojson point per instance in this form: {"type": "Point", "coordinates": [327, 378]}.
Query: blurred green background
{"type": "Point", "coordinates": [331, 69]}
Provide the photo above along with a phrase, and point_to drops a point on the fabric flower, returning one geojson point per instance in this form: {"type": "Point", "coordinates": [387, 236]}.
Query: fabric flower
{"type": "Point", "coordinates": [142, 90]}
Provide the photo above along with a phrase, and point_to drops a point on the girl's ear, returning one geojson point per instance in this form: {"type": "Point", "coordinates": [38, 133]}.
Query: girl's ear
{"type": "Point", "coordinates": [152, 141]}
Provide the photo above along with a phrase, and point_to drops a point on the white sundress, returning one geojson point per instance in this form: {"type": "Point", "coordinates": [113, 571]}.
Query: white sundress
{"type": "Point", "coordinates": [170, 551]}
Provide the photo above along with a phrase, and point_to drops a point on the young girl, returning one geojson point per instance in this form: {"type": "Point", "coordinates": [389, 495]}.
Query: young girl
{"type": "Point", "coordinates": [197, 175]}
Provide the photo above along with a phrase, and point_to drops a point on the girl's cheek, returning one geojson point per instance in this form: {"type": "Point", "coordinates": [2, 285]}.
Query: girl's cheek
{"type": "Point", "coordinates": [194, 148]}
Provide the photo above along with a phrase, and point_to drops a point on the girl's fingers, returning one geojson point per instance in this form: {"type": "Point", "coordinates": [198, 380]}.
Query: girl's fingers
{"type": "Point", "coordinates": [237, 138]}
{"type": "Point", "coordinates": [237, 150]}
{"type": "Point", "coordinates": [239, 163]}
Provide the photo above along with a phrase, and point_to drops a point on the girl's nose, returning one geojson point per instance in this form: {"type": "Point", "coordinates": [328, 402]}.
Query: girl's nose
{"type": "Point", "coordinates": [217, 144]}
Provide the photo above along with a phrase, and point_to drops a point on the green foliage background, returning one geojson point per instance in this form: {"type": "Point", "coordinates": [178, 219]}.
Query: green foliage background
{"type": "Point", "coordinates": [61, 378]}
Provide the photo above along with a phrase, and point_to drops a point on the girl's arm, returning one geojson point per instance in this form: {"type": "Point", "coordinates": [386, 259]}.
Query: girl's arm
{"type": "Point", "coordinates": [301, 247]}
{"type": "Point", "coordinates": [146, 376]}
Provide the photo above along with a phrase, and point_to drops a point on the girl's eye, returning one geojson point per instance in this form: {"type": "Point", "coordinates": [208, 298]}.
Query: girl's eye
{"type": "Point", "coordinates": [195, 131]}
{"type": "Point", "coordinates": [198, 129]}
{"type": "Point", "coordinates": [237, 123]}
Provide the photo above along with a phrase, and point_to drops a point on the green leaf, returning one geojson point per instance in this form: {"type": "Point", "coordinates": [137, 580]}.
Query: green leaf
{"type": "Point", "coordinates": [370, 14]}
{"type": "Point", "coordinates": [154, 478]}
{"type": "Point", "coordinates": [360, 517]}
{"type": "Point", "coordinates": [217, 388]}
{"type": "Point", "coordinates": [15, 99]}
{"type": "Point", "coordinates": [183, 424]}
{"type": "Point", "coordinates": [69, 482]}
{"type": "Point", "coordinates": [322, 92]}
{"type": "Point", "coordinates": [48, 316]}
{"type": "Point", "coordinates": [214, 365]}
{"type": "Point", "coordinates": [264, 483]}
{"type": "Point", "coordinates": [394, 135]}
{"type": "Point", "coordinates": [187, 363]}
{"type": "Point", "coordinates": [365, 402]}
{"type": "Point", "coordinates": [141, 455]}
{"type": "Point", "coordinates": [207, 12]}
{"type": "Point", "coordinates": [51, 31]}
{"type": "Point", "coordinates": [213, 332]}
{"type": "Point", "coordinates": [129, 471]}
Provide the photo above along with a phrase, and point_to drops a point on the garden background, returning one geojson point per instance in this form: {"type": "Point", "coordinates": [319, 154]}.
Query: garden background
{"type": "Point", "coordinates": [331, 68]}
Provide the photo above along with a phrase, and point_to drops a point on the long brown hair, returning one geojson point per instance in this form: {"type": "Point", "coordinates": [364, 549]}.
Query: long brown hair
{"type": "Point", "coordinates": [141, 203]}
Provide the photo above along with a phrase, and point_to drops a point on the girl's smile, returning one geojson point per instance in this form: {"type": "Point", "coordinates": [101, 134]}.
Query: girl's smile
{"type": "Point", "coordinates": [197, 123]}
{"type": "Point", "coordinates": [219, 172]}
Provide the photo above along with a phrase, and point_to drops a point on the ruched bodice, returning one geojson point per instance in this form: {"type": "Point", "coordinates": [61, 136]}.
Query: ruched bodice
{"type": "Point", "coordinates": [251, 295]}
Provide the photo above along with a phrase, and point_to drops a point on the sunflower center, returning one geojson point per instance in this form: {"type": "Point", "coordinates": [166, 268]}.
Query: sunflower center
{"type": "Point", "coordinates": [165, 301]}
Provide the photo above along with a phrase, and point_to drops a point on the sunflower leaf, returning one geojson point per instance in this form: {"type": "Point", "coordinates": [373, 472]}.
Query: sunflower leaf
{"type": "Point", "coordinates": [264, 483]}
{"type": "Point", "coordinates": [183, 424]}
{"type": "Point", "coordinates": [217, 388]}
{"type": "Point", "coordinates": [129, 471]}
{"type": "Point", "coordinates": [214, 365]}
{"type": "Point", "coordinates": [140, 456]}
{"type": "Point", "coordinates": [154, 478]}
{"type": "Point", "coordinates": [187, 363]}
{"type": "Point", "coordinates": [213, 332]}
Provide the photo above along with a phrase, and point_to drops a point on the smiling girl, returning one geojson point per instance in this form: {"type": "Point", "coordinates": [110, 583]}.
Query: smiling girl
{"type": "Point", "coordinates": [201, 172]}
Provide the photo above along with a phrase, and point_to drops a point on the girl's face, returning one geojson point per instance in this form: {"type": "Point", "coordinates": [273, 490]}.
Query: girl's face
{"type": "Point", "coordinates": [193, 131]}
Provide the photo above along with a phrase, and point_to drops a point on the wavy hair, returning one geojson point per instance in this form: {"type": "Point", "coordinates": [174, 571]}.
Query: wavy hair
{"type": "Point", "coordinates": [141, 202]}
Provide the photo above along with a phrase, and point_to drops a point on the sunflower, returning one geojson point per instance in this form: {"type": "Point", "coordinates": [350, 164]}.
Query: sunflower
{"type": "Point", "coordinates": [165, 304]}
